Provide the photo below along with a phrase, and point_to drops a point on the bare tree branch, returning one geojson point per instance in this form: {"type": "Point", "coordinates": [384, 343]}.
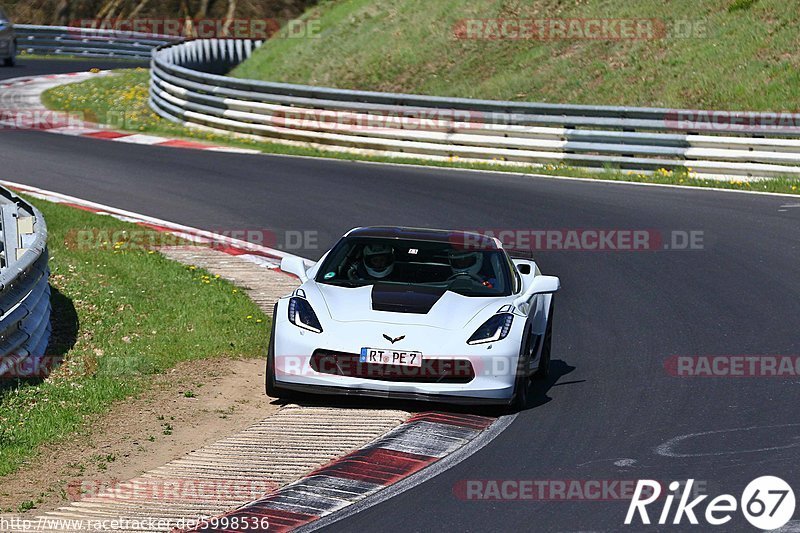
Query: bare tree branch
{"type": "Point", "coordinates": [229, 18]}
{"type": "Point", "coordinates": [136, 10]}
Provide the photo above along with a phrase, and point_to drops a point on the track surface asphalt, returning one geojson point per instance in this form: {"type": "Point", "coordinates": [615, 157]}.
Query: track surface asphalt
{"type": "Point", "coordinates": [619, 316]}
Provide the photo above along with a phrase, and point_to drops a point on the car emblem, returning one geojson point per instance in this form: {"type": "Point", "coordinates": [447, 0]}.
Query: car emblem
{"type": "Point", "coordinates": [388, 338]}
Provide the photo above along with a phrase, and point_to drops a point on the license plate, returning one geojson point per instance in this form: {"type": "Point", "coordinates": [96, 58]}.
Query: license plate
{"type": "Point", "coordinates": [390, 357]}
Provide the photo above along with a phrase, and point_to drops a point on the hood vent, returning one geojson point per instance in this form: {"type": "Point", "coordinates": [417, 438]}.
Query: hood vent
{"type": "Point", "coordinates": [404, 298]}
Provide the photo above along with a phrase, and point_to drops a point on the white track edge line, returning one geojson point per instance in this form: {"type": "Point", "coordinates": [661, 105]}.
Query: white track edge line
{"type": "Point", "coordinates": [52, 195]}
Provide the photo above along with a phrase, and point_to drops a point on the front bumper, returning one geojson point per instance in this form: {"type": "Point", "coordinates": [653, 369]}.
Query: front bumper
{"type": "Point", "coordinates": [494, 365]}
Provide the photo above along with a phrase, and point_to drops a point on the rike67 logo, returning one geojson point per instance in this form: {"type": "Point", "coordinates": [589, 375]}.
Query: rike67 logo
{"type": "Point", "coordinates": [767, 502]}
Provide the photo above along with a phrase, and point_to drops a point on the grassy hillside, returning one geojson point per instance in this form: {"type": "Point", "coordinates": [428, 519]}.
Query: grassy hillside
{"type": "Point", "coordinates": [728, 54]}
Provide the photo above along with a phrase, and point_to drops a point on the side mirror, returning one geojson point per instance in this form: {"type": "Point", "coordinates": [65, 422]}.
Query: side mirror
{"type": "Point", "coordinates": [295, 265]}
{"type": "Point", "coordinates": [539, 285]}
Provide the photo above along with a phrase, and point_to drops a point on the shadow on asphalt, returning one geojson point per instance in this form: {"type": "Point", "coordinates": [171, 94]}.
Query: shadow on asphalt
{"type": "Point", "coordinates": [538, 397]}
{"type": "Point", "coordinates": [540, 388]}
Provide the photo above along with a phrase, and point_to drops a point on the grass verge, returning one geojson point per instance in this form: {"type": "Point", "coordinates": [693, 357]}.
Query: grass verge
{"type": "Point", "coordinates": [121, 101]}
{"type": "Point", "coordinates": [121, 313]}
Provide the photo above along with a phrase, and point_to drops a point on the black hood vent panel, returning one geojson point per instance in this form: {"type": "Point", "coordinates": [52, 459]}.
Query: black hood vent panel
{"type": "Point", "coordinates": [404, 298]}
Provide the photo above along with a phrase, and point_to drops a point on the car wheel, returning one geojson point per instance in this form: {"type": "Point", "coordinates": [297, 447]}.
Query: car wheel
{"type": "Point", "coordinates": [10, 61]}
{"type": "Point", "coordinates": [522, 387]}
{"type": "Point", "coordinates": [522, 383]}
{"type": "Point", "coordinates": [271, 388]}
{"type": "Point", "coordinates": [543, 372]}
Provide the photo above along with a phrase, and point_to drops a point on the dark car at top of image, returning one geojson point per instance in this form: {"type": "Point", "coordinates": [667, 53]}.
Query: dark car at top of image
{"type": "Point", "coordinates": [8, 41]}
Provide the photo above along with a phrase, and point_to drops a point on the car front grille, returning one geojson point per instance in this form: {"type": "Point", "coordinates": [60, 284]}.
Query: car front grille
{"type": "Point", "coordinates": [431, 371]}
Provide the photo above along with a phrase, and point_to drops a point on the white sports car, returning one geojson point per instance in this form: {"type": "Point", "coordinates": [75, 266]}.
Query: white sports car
{"type": "Point", "coordinates": [415, 314]}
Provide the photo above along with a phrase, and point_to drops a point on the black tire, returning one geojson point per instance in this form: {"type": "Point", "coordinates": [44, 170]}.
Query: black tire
{"type": "Point", "coordinates": [522, 382]}
{"type": "Point", "coordinates": [11, 60]}
{"type": "Point", "coordinates": [543, 372]}
{"type": "Point", "coordinates": [522, 386]}
{"type": "Point", "coordinates": [270, 386]}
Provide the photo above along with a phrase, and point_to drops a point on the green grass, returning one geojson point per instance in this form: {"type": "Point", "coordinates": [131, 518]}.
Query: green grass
{"type": "Point", "coordinates": [739, 54]}
{"type": "Point", "coordinates": [121, 100]}
{"type": "Point", "coordinates": [138, 314]}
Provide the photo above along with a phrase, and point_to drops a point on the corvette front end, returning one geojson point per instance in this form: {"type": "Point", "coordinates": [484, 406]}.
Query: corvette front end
{"type": "Point", "coordinates": [416, 314]}
{"type": "Point", "coordinates": [336, 359]}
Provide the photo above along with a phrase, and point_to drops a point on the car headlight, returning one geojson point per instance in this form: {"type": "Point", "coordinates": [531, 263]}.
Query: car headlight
{"type": "Point", "coordinates": [302, 315]}
{"type": "Point", "coordinates": [494, 329]}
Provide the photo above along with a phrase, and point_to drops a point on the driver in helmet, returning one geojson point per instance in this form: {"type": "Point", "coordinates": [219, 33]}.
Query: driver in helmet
{"type": "Point", "coordinates": [468, 264]}
{"type": "Point", "coordinates": [377, 263]}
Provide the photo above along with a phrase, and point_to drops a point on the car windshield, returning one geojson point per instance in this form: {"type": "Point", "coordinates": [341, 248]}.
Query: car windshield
{"type": "Point", "coordinates": [360, 261]}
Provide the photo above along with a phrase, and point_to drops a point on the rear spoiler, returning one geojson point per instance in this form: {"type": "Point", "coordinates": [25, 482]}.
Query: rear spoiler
{"type": "Point", "coordinates": [520, 254]}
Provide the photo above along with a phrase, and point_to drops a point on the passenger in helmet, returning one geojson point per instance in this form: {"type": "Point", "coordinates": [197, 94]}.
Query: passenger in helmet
{"type": "Point", "coordinates": [377, 262]}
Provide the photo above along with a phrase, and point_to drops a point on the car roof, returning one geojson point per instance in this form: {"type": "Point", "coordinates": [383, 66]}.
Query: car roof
{"type": "Point", "coordinates": [465, 238]}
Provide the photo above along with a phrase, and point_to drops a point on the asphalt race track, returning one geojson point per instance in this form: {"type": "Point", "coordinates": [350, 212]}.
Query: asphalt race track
{"type": "Point", "coordinates": [619, 316]}
{"type": "Point", "coordinates": [38, 67]}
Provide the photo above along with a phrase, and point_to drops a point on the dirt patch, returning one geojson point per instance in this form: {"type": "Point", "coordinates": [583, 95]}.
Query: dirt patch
{"type": "Point", "coordinates": [190, 406]}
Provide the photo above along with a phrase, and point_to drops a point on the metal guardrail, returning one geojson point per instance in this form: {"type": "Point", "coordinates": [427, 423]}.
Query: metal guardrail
{"type": "Point", "coordinates": [188, 86]}
{"type": "Point", "coordinates": [87, 42]}
{"type": "Point", "coordinates": [24, 290]}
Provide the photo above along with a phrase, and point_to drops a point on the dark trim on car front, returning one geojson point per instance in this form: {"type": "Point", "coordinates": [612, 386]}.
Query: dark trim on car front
{"type": "Point", "coordinates": [391, 395]}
